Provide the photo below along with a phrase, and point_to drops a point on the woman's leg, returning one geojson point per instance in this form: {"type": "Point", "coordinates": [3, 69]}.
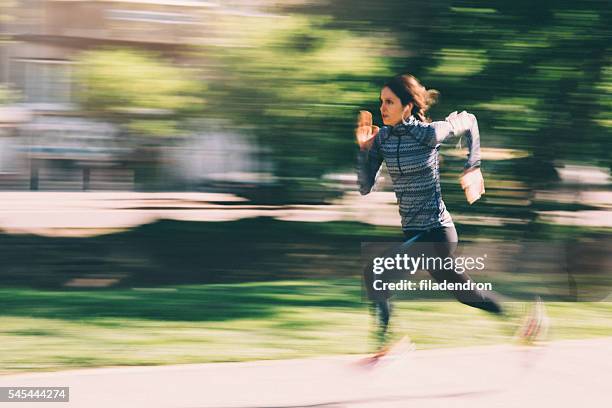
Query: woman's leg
{"type": "Point", "coordinates": [380, 302]}
{"type": "Point", "coordinates": [381, 306]}
{"type": "Point", "coordinates": [381, 310]}
{"type": "Point", "coordinates": [444, 242]}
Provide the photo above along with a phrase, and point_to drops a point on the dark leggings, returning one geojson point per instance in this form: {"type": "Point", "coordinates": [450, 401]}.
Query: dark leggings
{"type": "Point", "coordinates": [438, 242]}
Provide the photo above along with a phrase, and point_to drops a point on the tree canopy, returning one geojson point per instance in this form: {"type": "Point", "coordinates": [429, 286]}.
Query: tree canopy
{"type": "Point", "coordinates": [138, 88]}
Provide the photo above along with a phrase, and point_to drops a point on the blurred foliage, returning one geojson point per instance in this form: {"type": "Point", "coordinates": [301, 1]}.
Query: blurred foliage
{"type": "Point", "coordinates": [139, 88]}
{"type": "Point", "coordinates": [537, 75]}
{"type": "Point", "coordinates": [296, 85]}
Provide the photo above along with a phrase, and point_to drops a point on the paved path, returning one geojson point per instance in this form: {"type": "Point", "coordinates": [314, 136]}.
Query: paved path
{"type": "Point", "coordinates": [563, 374]}
{"type": "Point", "coordinates": [95, 213]}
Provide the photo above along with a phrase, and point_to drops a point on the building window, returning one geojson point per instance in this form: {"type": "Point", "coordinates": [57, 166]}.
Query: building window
{"type": "Point", "coordinates": [42, 81]}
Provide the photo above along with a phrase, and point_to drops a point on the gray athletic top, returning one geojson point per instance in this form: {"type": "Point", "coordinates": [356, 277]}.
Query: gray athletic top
{"type": "Point", "coordinates": [410, 151]}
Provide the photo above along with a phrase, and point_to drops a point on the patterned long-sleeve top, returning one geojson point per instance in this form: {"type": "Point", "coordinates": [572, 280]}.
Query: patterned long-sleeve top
{"type": "Point", "coordinates": [411, 153]}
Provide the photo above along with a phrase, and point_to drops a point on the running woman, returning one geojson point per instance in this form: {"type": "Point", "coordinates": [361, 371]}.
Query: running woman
{"type": "Point", "coordinates": [409, 144]}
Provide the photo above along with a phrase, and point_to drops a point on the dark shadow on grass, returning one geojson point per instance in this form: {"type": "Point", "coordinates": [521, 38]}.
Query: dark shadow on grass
{"type": "Point", "coordinates": [205, 261]}
{"type": "Point", "coordinates": [176, 252]}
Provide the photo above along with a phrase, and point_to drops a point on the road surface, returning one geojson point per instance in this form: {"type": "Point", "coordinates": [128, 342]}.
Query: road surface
{"type": "Point", "coordinates": [574, 373]}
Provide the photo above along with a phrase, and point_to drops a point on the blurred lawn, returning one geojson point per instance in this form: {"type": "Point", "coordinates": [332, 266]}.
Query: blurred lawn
{"type": "Point", "coordinates": [55, 330]}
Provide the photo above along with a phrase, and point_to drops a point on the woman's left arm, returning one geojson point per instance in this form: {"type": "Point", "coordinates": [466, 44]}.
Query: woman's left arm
{"type": "Point", "coordinates": [456, 124]}
{"type": "Point", "coordinates": [466, 124]}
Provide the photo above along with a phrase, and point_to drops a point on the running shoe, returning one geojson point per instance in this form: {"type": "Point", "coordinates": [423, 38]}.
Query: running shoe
{"type": "Point", "coordinates": [388, 353]}
{"type": "Point", "coordinates": [534, 327]}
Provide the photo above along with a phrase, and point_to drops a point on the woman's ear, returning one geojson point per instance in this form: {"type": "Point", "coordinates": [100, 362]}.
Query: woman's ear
{"type": "Point", "coordinates": [407, 111]}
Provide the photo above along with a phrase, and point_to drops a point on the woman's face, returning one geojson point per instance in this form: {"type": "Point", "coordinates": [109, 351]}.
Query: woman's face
{"type": "Point", "coordinates": [391, 107]}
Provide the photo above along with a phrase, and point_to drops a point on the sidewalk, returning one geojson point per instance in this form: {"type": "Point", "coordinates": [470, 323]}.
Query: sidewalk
{"type": "Point", "coordinates": [95, 213]}
{"type": "Point", "coordinates": [563, 374]}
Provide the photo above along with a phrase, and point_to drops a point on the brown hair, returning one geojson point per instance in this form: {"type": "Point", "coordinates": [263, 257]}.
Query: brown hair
{"type": "Point", "coordinates": [409, 89]}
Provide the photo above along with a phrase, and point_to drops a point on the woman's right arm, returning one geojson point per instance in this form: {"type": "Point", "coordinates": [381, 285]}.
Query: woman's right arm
{"type": "Point", "coordinates": [368, 165]}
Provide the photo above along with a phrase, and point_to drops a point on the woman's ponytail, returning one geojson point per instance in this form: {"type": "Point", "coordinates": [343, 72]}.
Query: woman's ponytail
{"type": "Point", "coordinates": [409, 89]}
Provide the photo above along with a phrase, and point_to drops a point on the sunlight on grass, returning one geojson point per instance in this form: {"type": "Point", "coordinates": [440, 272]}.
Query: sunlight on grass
{"type": "Point", "coordinates": [291, 319]}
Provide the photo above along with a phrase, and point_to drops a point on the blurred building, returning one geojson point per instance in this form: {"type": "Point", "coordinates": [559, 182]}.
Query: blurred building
{"type": "Point", "coordinates": [62, 148]}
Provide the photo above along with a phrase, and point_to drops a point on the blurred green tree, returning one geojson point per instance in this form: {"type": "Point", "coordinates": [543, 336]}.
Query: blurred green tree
{"type": "Point", "coordinates": [138, 90]}
{"type": "Point", "coordinates": [297, 86]}
{"type": "Point", "coordinates": [537, 74]}
{"type": "Point", "coordinates": [149, 98]}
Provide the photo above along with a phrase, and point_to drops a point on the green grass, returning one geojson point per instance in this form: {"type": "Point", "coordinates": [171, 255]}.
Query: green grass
{"type": "Point", "coordinates": [56, 330]}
